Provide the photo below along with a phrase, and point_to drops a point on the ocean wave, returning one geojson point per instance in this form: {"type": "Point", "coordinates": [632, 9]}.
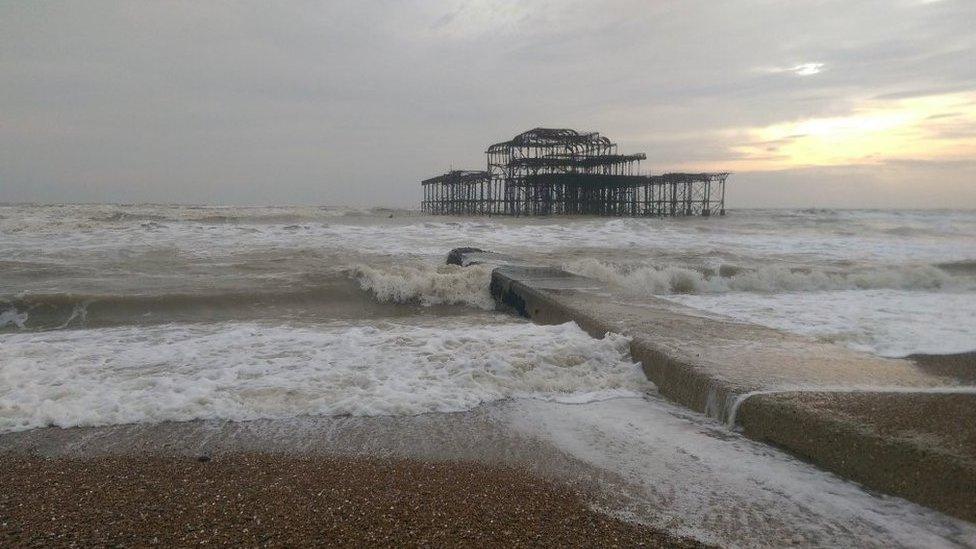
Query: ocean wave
{"type": "Point", "coordinates": [283, 215]}
{"type": "Point", "coordinates": [68, 217]}
{"type": "Point", "coordinates": [818, 211]}
{"type": "Point", "coordinates": [129, 216]}
{"type": "Point", "coordinates": [68, 233]}
{"type": "Point", "coordinates": [673, 279]}
{"type": "Point", "coordinates": [247, 370]}
{"type": "Point", "coordinates": [386, 286]}
{"type": "Point", "coordinates": [69, 300]}
{"type": "Point", "coordinates": [966, 267]}
{"type": "Point", "coordinates": [428, 285]}
{"type": "Point", "coordinates": [54, 311]}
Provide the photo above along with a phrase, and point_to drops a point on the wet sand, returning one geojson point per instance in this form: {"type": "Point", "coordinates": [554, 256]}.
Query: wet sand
{"type": "Point", "coordinates": [640, 459]}
{"type": "Point", "coordinates": [283, 500]}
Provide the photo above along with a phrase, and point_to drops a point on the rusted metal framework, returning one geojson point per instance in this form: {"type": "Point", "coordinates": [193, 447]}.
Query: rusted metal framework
{"type": "Point", "coordinates": [457, 192]}
{"type": "Point", "coordinates": [561, 171]}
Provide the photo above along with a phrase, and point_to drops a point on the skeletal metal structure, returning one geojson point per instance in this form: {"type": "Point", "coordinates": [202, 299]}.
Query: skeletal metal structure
{"type": "Point", "coordinates": [560, 171]}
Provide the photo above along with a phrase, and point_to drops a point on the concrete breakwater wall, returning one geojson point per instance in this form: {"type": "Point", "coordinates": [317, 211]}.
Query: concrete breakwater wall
{"type": "Point", "coordinates": [885, 423]}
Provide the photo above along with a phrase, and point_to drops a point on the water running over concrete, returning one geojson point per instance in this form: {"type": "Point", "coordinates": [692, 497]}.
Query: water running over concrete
{"type": "Point", "coordinates": [730, 415]}
{"type": "Point", "coordinates": [738, 371]}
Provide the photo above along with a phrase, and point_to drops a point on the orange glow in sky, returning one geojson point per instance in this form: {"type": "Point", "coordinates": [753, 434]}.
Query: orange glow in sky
{"type": "Point", "coordinates": [934, 127]}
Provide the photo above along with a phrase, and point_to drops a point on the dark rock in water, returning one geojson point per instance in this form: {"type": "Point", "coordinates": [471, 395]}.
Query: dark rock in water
{"type": "Point", "coordinates": [203, 459]}
{"type": "Point", "coordinates": [456, 256]}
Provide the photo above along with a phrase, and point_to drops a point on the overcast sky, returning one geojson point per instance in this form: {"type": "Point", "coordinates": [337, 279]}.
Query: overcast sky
{"type": "Point", "coordinates": [811, 103]}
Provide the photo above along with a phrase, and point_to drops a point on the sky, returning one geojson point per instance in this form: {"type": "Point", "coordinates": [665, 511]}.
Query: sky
{"type": "Point", "coordinates": [810, 103]}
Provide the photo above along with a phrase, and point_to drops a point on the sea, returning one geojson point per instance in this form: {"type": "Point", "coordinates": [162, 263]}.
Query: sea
{"type": "Point", "coordinates": [145, 313]}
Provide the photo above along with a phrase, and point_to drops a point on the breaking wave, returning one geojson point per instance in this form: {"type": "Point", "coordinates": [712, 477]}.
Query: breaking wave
{"type": "Point", "coordinates": [429, 285]}
{"type": "Point", "coordinates": [54, 311]}
{"type": "Point", "coordinates": [959, 267]}
{"type": "Point", "coordinates": [249, 370]}
{"type": "Point", "coordinates": [13, 317]}
{"type": "Point", "coordinates": [385, 287]}
{"type": "Point", "coordinates": [671, 279]}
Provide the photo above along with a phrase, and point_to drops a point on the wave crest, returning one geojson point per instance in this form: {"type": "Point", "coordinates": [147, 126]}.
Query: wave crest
{"type": "Point", "coordinates": [672, 279]}
{"type": "Point", "coordinates": [428, 285]}
{"type": "Point", "coordinates": [245, 370]}
{"type": "Point", "coordinates": [13, 317]}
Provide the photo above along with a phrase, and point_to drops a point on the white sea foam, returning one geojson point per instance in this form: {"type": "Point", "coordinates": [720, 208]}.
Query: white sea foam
{"type": "Point", "coordinates": [12, 317]}
{"type": "Point", "coordinates": [690, 475]}
{"type": "Point", "coordinates": [892, 310]}
{"type": "Point", "coordinates": [428, 285]}
{"type": "Point", "coordinates": [672, 279]}
{"type": "Point", "coordinates": [241, 371]}
{"type": "Point", "coordinates": [862, 236]}
{"type": "Point", "coordinates": [885, 322]}
{"type": "Point", "coordinates": [125, 250]}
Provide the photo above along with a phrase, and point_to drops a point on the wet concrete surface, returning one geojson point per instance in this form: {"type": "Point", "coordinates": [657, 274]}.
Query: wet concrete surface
{"type": "Point", "coordinates": [733, 371]}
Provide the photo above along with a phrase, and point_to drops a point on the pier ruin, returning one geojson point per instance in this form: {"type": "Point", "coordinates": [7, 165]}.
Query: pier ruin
{"type": "Point", "coordinates": [548, 171]}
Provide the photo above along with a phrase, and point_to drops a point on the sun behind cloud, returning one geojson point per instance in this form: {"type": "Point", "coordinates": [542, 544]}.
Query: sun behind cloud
{"type": "Point", "coordinates": [933, 127]}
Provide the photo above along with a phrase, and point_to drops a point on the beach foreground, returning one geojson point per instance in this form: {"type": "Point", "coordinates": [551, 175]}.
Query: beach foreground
{"type": "Point", "coordinates": [642, 460]}
{"type": "Point", "coordinates": [265, 499]}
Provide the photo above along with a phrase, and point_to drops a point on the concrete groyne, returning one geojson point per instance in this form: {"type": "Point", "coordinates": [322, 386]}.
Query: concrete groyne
{"type": "Point", "coordinates": [885, 423]}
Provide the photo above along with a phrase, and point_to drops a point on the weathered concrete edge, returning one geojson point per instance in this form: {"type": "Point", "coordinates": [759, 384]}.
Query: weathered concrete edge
{"type": "Point", "coordinates": [940, 481]}
{"type": "Point", "coordinates": [674, 378]}
{"type": "Point", "coordinates": [917, 472]}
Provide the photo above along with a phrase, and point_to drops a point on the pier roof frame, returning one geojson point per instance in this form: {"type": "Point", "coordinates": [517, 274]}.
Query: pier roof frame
{"type": "Point", "coordinates": [552, 137]}
{"type": "Point", "coordinates": [458, 176]}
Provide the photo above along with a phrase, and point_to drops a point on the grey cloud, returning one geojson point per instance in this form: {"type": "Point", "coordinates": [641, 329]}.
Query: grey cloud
{"type": "Point", "coordinates": [354, 103]}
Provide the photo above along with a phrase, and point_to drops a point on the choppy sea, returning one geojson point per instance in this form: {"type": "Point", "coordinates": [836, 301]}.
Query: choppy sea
{"type": "Point", "coordinates": [119, 314]}
{"type": "Point", "coordinates": [171, 312]}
